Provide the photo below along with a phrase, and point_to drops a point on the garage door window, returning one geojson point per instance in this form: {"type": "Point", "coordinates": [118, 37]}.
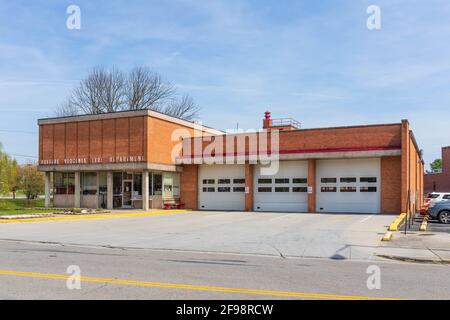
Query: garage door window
{"type": "Point", "coordinates": [209, 189]}
{"type": "Point", "coordinates": [328, 189]}
{"type": "Point", "coordinates": [368, 179]}
{"type": "Point", "coordinates": [299, 189]}
{"type": "Point", "coordinates": [209, 181]}
{"type": "Point", "coordinates": [238, 181]}
{"type": "Point", "coordinates": [265, 181]}
{"type": "Point", "coordinates": [368, 189]}
{"type": "Point", "coordinates": [299, 180]}
{"type": "Point", "coordinates": [264, 189]}
{"type": "Point", "coordinates": [282, 180]}
{"type": "Point", "coordinates": [328, 180]}
{"type": "Point", "coordinates": [238, 189]}
{"type": "Point", "coordinates": [224, 181]}
{"type": "Point", "coordinates": [281, 189]}
{"type": "Point", "coordinates": [348, 180]}
{"type": "Point", "coordinates": [348, 189]}
{"type": "Point", "coordinates": [224, 189]}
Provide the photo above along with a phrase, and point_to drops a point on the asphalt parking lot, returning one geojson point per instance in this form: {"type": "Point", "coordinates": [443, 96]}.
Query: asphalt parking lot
{"type": "Point", "coordinates": [335, 236]}
{"type": "Point", "coordinates": [435, 226]}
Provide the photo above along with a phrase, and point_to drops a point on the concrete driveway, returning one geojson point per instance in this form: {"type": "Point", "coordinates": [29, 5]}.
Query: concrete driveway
{"type": "Point", "coordinates": [336, 236]}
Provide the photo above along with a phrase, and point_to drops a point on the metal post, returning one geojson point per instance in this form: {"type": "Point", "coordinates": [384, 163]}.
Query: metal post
{"type": "Point", "coordinates": [407, 211]}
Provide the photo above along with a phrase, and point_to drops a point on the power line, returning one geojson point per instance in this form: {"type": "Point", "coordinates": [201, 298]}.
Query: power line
{"type": "Point", "coordinates": [23, 156]}
{"type": "Point", "coordinates": [18, 131]}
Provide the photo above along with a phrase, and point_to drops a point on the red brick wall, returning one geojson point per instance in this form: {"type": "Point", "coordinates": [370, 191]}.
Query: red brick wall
{"type": "Point", "coordinates": [189, 186]}
{"type": "Point", "coordinates": [391, 185]}
{"type": "Point", "coordinates": [312, 183]}
{"type": "Point", "coordinates": [440, 182]}
{"type": "Point", "coordinates": [93, 139]}
{"type": "Point", "coordinates": [249, 169]}
{"type": "Point", "coordinates": [446, 159]}
{"type": "Point", "coordinates": [71, 140]}
{"type": "Point", "coordinates": [412, 172]}
{"type": "Point", "coordinates": [160, 144]}
{"type": "Point", "coordinates": [388, 136]}
{"type": "Point", "coordinates": [109, 138]}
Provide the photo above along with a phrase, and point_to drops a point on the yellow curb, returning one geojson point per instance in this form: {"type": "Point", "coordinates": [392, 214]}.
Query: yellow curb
{"type": "Point", "coordinates": [395, 224]}
{"type": "Point", "coordinates": [184, 286]}
{"type": "Point", "coordinates": [424, 225]}
{"type": "Point", "coordinates": [387, 236]}
{"type": "Point", "coordinates": [94, 216]}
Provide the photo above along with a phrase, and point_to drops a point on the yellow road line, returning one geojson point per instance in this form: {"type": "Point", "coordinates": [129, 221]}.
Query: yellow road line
{"type": "Point", "coordinates": [164, 285]}
{"type": "Point", "coordinates": [93, 216]}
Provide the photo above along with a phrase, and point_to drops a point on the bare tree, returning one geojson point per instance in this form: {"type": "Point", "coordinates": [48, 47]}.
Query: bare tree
{"type": "Point", "coordinates": [184, 108]}
{"type": "Point", "coordinates": [66, 109]}
{"type": "Point", "coordinates": [147, 90]}
{"type": "Point", "coordinates": [111, 91]}
{"type": "Point", "coordinates": [87, 97]}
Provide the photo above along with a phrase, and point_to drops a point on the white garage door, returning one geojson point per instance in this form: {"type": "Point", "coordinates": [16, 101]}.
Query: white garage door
{"type": "Point", "coordinates": [221, 187]}
{"type": "Point", "coordinates": [287, 190]}
{"type": "Point", "coordinates": [348, 185]}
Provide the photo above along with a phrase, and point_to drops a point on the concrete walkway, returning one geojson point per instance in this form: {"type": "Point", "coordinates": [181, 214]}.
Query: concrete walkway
{"type": "Point", "coordinates": [334, 236]}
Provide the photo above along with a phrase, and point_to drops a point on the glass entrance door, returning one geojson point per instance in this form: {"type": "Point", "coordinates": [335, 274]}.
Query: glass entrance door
{"type": "Point", "coordinates": [127, 193]}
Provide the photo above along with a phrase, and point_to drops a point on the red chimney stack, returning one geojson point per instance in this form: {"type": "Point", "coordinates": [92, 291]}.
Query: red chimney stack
{"type": "Point", "coordinates": [267, 122]}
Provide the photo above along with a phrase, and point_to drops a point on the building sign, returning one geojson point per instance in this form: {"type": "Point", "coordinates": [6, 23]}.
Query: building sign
{"type": "Point", "coordinates": [93, 160]}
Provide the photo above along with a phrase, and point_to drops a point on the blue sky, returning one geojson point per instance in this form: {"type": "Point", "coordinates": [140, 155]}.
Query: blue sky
{"type": "Point", "coordinates": [315, 61]}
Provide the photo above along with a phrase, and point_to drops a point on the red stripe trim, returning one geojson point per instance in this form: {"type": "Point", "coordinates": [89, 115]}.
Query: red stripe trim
{"type": "Point", "coordinates": [303, 151]}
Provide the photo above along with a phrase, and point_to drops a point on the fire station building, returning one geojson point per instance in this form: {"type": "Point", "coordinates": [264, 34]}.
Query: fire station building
{"type": "Point", "coordinates": [126, 160]}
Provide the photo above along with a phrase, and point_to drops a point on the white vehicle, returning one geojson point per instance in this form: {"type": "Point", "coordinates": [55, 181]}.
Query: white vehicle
{"type": "Point", "coordinates": [436, 197]}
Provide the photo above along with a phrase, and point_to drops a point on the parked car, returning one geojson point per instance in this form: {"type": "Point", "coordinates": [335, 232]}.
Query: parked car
{"type": "Point", "coordinates": [426, 205]}
{"type": "Point", "coordinates": [441, 211]}
{"type": "Point", "coordinates": [436, 197]}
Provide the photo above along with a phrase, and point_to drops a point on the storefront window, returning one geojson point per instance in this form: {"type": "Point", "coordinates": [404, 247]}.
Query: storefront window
{"type": "Point", "coordinates": [176, 185]}
{"type": "Point", "coordinates": [117, 183]}
{"type": "Point", "coordinates": [137, 185]}
{"type": "Point", "coordinates": [70, 183]}
{"type": "Point", "coordinates": [171, 184]}
{"type": "Point", "coordinates": [60, 186]}
{"type": "Point", "coordinates": [156, 184]}
{"type": "Point", "coordinates": [64, 182]}
{"type": "Point", "coordinates": [102, 182]}
{"type": "Point", "coordinates": [89, 183]}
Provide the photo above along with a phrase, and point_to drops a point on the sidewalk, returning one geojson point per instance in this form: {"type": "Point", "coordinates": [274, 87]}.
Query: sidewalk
{"type": "Point", "coordinates": [420, 246]}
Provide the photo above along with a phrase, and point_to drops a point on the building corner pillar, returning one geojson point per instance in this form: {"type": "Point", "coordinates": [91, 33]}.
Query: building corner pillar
{"type": "Point", "coordinates": [47, 190]}
{"type": "Point", "coordinates": [312, 186]}
{"type": "Point", "coordinates": [249, 168]}
{"type": "Point", "coordinates": [77, 194]}
{"type": "Point", "coordinates": [109, 190]}
{"type": "Point", "coordinates": [145, 191]}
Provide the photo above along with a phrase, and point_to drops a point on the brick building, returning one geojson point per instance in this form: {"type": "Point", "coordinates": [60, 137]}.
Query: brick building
{"type": "Point", "coordinates": [127, 160]}
{"type": "Point", "coordinates": [440, 181]}
{"type": "Point", "coordinates": [115, 160]}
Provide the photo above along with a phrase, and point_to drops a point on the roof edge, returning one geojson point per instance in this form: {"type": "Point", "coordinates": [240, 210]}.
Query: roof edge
{"type": "Point", "coordinates": [127, 114]}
